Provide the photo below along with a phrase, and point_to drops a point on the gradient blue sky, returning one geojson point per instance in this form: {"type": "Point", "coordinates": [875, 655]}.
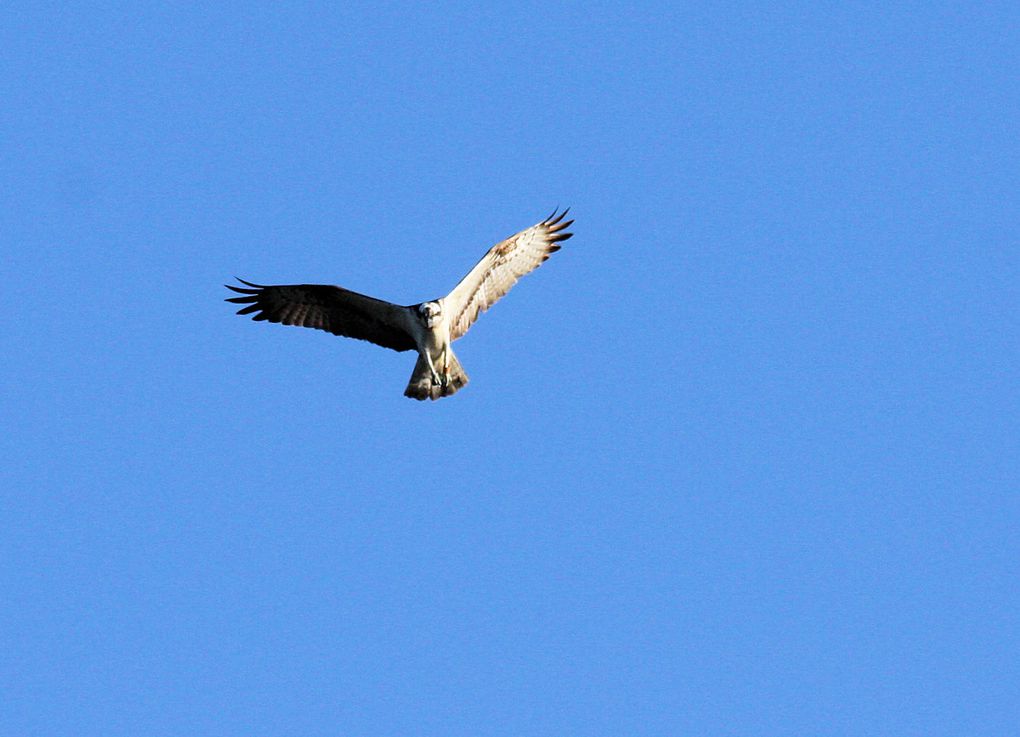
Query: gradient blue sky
{"type": "Point", "coordinates": [741, 459]}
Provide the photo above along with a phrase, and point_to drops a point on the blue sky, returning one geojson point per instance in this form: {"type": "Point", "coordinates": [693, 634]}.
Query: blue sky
{"type": "Point", "coordinates": [740, 459]}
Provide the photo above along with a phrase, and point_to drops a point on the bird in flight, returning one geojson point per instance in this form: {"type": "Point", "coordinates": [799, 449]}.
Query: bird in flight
{"type": "Point", "coordinates": [428, 327]}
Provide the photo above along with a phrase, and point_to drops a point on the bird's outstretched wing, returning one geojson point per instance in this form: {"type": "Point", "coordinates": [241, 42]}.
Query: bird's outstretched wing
{"type": "Point", "coordinates": [500, 269]}
{"type": "Point", "coordinates": [334, 309]}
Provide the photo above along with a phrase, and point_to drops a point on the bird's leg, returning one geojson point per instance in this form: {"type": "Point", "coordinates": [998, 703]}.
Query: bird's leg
{"type": "Point", "coordinates": [432, 367]}
{"type": "Point", "coordinates": [446, 364]}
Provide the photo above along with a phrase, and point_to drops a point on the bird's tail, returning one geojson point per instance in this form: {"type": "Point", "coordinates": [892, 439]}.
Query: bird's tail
{"type": "Point", "coordinates": [420, 386]}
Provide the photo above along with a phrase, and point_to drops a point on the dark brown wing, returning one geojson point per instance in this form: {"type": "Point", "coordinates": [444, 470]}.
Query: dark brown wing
{"type": "Point", "coordinates": [333, 309]}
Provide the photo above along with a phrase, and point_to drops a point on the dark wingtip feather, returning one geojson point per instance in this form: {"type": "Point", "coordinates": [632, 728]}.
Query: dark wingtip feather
{"type": "Point", "coordinates": [554, 218]}
{"type": "Point", "coordinates": [255, 288]}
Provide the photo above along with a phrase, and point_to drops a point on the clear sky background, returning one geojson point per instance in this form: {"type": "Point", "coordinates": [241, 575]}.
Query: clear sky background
{"type": "Point", "coordinates": [741, 459]}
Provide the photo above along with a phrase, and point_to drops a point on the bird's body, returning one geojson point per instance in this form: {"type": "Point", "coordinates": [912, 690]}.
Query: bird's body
{"type": "Point", "coordinates": [428, 327]}
{"type": "Point", "coordinates": [437, 373]}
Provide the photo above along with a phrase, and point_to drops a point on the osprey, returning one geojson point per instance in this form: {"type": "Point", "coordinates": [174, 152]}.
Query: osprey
{"type": "Point", "coordinates": [429, 327]}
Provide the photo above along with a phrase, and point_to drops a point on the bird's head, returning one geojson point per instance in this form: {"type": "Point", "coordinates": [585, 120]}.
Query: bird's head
{"type": "Point", "coordinates": [429, 313]}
